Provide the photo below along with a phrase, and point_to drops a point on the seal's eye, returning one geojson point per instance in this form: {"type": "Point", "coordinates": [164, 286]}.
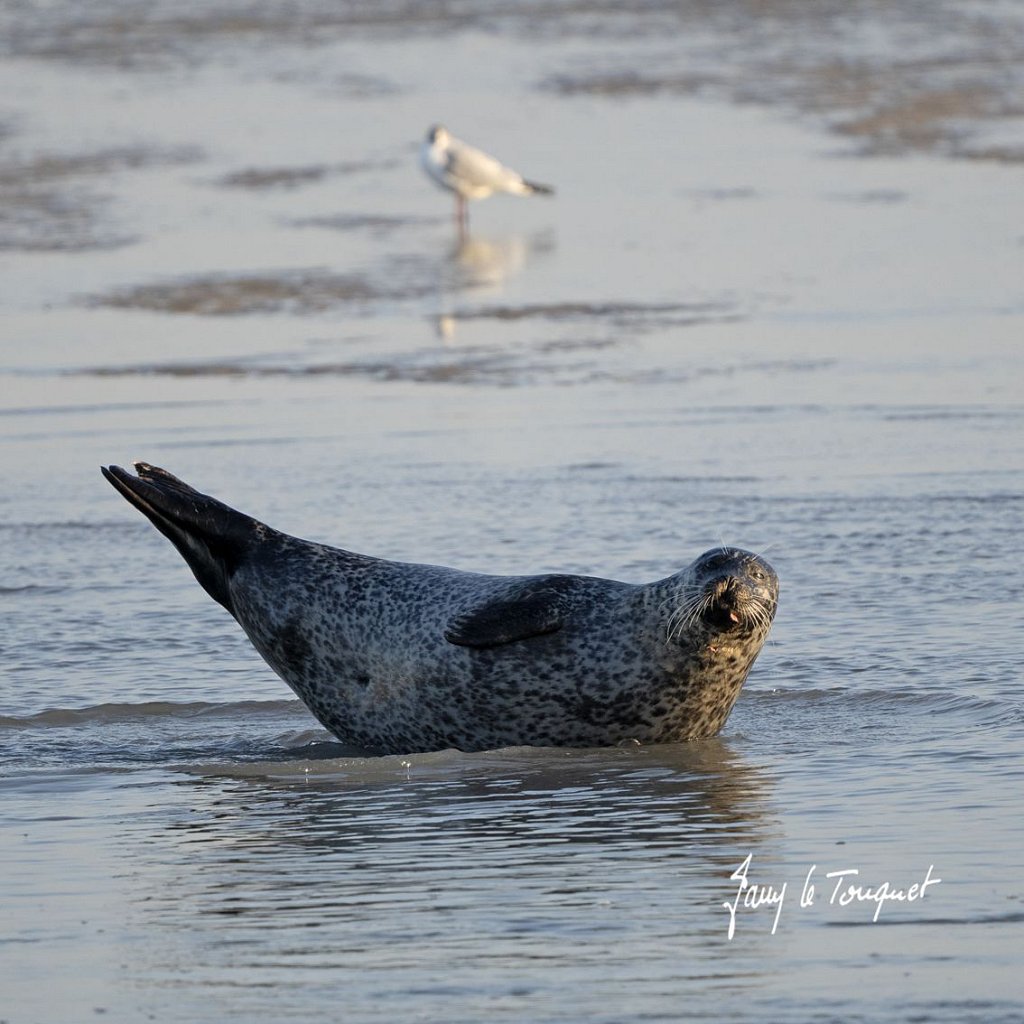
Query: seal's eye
{"type": "Point", "coordinates": [758, 574]}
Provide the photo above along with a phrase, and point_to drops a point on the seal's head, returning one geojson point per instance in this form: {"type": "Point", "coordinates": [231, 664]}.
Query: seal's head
{"type": "Point", "coordinates": [725, 592]}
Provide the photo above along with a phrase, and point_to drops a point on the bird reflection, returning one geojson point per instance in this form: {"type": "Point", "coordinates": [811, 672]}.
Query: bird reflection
{"type": "Point", "coordinates": [482, 264]}
{"type": "Point", "coordinates": [486, 262]}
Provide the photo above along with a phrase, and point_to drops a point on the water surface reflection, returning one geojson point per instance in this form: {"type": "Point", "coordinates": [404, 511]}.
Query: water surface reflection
{"type": "Point", "coordinates": [499, 876]}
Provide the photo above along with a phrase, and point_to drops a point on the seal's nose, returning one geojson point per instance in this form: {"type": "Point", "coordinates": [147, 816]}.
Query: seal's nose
{"type": "Point", "coordinates": [726, 588]}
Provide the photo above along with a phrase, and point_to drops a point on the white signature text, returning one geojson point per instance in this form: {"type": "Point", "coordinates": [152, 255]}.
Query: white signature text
{"type": "Point", "coordinates": [842, 889]}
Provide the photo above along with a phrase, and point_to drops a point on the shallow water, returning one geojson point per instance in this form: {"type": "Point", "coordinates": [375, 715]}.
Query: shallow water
{"type": "Point", "coordinates": [791, 325]}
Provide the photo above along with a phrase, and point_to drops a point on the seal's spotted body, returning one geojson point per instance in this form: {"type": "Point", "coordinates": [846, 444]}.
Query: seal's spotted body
{"type": "Point", "coordinates": [396, 657]}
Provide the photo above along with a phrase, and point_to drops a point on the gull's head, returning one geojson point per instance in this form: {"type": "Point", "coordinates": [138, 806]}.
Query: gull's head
{"type": "Point", "coordinates": [438, 135]}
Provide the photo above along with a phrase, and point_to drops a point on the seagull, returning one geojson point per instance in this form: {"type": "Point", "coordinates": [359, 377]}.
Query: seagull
{"type": "Point", "coordinates": [470, 173]}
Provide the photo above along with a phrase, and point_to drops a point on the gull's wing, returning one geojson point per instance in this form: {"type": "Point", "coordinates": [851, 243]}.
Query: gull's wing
{"type": "Point", "coordinates": [476, 168]}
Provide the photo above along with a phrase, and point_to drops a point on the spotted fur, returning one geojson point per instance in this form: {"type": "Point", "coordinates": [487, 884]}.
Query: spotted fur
{"type": "Point", "coordinates": [398, 657]}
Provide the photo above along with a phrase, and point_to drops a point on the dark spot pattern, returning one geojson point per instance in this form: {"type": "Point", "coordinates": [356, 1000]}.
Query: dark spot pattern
{"type": "Point", "coordinates": [363, 641]}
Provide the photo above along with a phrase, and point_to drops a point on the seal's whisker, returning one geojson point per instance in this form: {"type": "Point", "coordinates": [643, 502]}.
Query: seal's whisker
{"type": "Point", "coordinates": [764, 617]}
{"type": "Point", "coordinates": [680, 620]}
{"type": "Point", "coordinates": [687, 614]}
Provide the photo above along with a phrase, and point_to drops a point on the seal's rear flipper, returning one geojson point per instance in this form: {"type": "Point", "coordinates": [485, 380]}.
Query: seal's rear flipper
{"type": "Point", "coordinates": [212, 537]}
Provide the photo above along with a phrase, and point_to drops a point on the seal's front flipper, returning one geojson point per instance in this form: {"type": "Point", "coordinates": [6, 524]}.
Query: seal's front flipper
{"type": "Point", "coordinates": [524, 608]}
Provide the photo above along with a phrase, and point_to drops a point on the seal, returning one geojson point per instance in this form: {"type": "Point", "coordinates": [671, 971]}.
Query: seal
{"type": "Point", "coordinates": [394, 657]}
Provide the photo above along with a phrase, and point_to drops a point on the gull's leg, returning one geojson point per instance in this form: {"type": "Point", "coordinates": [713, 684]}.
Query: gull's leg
{"type": "Point", "coordinates": [462, 215]}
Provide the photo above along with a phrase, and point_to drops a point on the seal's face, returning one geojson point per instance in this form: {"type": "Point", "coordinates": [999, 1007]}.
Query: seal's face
{"type": "Point", "coordinates": [726, 591]}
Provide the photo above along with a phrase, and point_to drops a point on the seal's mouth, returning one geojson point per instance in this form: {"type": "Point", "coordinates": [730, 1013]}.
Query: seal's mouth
{"type": "Point", "coordinates": [722, 618]}
{"type": "Point", "coordinates": [723, 609]}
